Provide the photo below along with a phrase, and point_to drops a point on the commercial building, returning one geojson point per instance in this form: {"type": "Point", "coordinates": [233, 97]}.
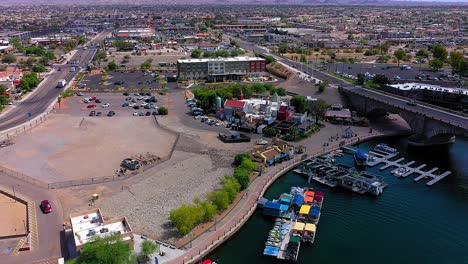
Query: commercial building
{"type": "Point", "coordinates": [221, 69]}
{"type": "Point", "coordinates": [135, 33]}
{"type": "Point", "coordinates": [90, 224]}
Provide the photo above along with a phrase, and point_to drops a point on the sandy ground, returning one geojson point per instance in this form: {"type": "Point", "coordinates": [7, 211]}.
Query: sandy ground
{"type": "Point", "coordinates": [70, 147]}
{"type": "Point", "coordinates": [13, 217]}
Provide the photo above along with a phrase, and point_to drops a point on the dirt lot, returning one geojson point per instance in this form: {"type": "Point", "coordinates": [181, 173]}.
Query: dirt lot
{"type": "Point", "coordinates": [72, 147]}
{"type": "Point", "coordinates": [13, 217]}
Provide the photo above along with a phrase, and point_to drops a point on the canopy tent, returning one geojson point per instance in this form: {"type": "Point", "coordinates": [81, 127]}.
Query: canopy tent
{"type": "Point", "coordinates": [285, 201]}
{"type": "Point", "coordinates": [309, 193]}
{"type": "Point", "coordinates": [318, 198]}
{"type": "Point", "coordinates": [314, 212]}
{"type": "Point", "coordinates": [308, 199]}
{"type": "Point", "coordinates": [310, 227]}
{"type": "Point", "coordinates": [298, 226]}
{"type": "Point", "coordinates": [361, 155]}
{"type": "Point", "coordinates": [319, 194]}
{"type": "Point", "coordinates": [298, 200]}
{"type": "Point", "coordinates": [304, 209]}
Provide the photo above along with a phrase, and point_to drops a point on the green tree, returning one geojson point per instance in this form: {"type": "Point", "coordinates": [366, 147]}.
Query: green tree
{"type": "Point", "coordinates": [231, 186]}
{"type": "Point", "coordinates": [239, 158]}
{"type": "Point", "coordinates": [384, 47]}
{"type": "Point", "coordinates": [270, 132]}
{"type": "Point", "coordinates": [209, 210]}
{"type": "Point", "coordinates": [9, 58]}
{"type": "Point", "coordinates": [456, 60]}
{"type": "Point", "coordinates": [101, 55]}
{"type": "Point", "coordinates": [270, 59]}
{"type": "Point", "coordinates": [422, 53]}
{"type": "Point", "coordinates": [247, 164]}
{"type": "Point", "coordinates": [29, 81]}
{"type": "Point", "coordinates": [322, 86]}
{"type": "Point", "coordinates": [123, 45]}
{"type": "Point", "coordinates": [436, 64]}
{"type": "Point", "coordinates": [208, 54]}
{"type": "Point", "coordinates": [162, 111]}
{"type": "Point", "coordinates": [112, 66]}
{"type": "Point", "coordinates": [196, 53]}
{"type": "Point", "coordinates": [16, 42]}
{"type": "Point", "coordinates": [281, 91]}
{"type": "Point", "coordinates": [283, 47]}
{"type": "Point", "coordinates": [380, 79]}
{"type": "Point", "coordinates": [146, 65]}
{"type": "Point", "coordinates": [439, 52]}
{"type": "Point", "coordinates": [220, 199]}
{"type": "Point", "coordinates": [30, 61]}
{"type": "Point", "coordinates": [107, 250]}
{"type": "Point", "coordinates": [319, 108]}
{"type": "Point", "coordinates": [148, 247]}
{"type": "Point", "coordinates": [38, 68]}
{"type": "Point", "coordinates": [299, 103]}
{"type": "Point", "coordinates": [242, 176]}
{"type": "Point", "coordinates": [399, 55]}
{"type": "Point", "coordinates": [361, 79]}
{"type": "Point", "coordinates": [186, 217]}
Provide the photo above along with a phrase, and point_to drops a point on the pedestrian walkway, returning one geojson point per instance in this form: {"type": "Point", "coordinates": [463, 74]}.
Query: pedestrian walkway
{"type": "Point", "coordinates": [203, 244]}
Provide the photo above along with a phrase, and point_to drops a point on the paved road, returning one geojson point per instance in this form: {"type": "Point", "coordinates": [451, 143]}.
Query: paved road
{"type": "Point", "coordinates": [452, 118]}
{"type": "Point", "coordinates": [47, 92]}
{"type": "Point", "coordinates": [49, 225]}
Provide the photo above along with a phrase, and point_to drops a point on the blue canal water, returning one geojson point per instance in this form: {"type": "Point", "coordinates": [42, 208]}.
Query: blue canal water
{"type": "Point", "coordinates": [409, 223]}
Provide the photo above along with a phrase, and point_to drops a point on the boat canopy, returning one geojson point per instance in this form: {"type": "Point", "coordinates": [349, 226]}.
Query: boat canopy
{"type": "Point", "coordinates": [304, 209]}
{"type": "Point", "coordinates": [319, 194]}
{"type": "Point", "coordinates": [309, 193]}
{"type": "Point", "coordinates": [286, 195]}
{"type": "Point", "coordinates": [208, 261]}
{"type": "Point", "coordinates": [272, 205]}
{"type": "Point", "coordinates": [308, 199]}
{"type": "Point", "coordinates": [310, 227]}
{"type": "Point", "coordinates": [298, 226]}
{"type": "Point", "coordinates": [285, 200]}
{"type": "Point", "coordinates": [361, 155]}
{"type": "Point", "coordinates": [298, 200]}
{"type": "Point", "coordinates": [314, 211]}
{"type": "Point", "coordinates": [295, 239]}
{"type": "Point", "coordinates": [318, 198]}
{"type": "Point", "coordinates": [284, 207]}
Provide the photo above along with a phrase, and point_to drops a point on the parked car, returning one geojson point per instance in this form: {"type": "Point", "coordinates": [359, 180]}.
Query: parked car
{"type": "Point", "coordinates": [119, 82]}
{"type": "Point", "coordinates": [125, 104]}
{"type": "Point", "coordinates": [136, 107]}
{"type": "Point", "coordinates": [128, 99]}
{"type": "Point", "coordinates": [98, 101]}
{"type": "Point", "coordinates": [125, 94]}
{"type": "Point", "coordinates": [412, 103]}
{"type": "Point", "coordinates": [154, 113]}
{"type": "Point", "coordinates": [106, 105]}
{"type": "Point", "coordinates": [148, 113]}
{"type": "Point", "coordinates": [85, 100]}
{"type": "Point", "coordinates": [131, 104]}
{"type": "Point", "coordinates": [141, 113]}
{"type": "Point", "coordinates": [45, 206]}
{"type": "Point", "coordinates": [79, 94]}
{"type": "Point", "coordinates": [92, 113]}
{"type": "Point", "coordinates": [92, 98]}
{"type": "Point", "coordinates": [91, 106]}
{"type": "Point", "coordinates": [111, 113]}
{"type": "Point", "coordinates": [135, 113]}
{"type": "Point", "coordinates": [98, 113]}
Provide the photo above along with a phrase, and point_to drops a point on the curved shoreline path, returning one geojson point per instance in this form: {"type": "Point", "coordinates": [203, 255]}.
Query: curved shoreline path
{"type": "Point", "coordinates": [231, 223]}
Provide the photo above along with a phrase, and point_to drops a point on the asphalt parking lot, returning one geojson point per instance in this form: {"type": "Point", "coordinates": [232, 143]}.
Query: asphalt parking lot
{"type": "Point", "coordinates": [131, 80]}
{"type": "Point", "coordinates": [391, 71]}
{"type": "Point", "coordinates": [77, 107]}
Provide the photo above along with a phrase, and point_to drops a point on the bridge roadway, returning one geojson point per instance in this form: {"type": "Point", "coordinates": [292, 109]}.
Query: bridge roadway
{"type": "Point", "coordinates": [47, 92]}
{"type": "Point", "coordinates": [448, 117]}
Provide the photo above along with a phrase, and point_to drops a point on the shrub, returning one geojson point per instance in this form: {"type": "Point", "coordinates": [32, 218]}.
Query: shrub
{"type": "Point", "coordinates": [239, 158]}
{"type": "Point", "coordinates": [247, 164]}
{"type": "Point", "coordinates": [231, 186]}
{"type": "Point", "coordinates": [162, 111]}
{"type": "Point", "coordinates": [220, 199]}
{"type": "Point", "coordinates": [242, 176]}
{"type": "Point", "coordinates": [186, 217]}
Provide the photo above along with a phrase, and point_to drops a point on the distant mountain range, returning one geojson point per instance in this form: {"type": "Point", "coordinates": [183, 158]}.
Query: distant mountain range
{"type": "Point", "coordinates": [234, 2]}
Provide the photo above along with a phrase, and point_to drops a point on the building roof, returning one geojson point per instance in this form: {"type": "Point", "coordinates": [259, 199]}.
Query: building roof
{"type": "Point", "coordinates": [234, 103]}
{"type": "Point", "coordinates": [245, 58]}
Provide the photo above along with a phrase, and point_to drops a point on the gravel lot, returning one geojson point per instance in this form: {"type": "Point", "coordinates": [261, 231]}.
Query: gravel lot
{"type": "Point", "coordinates": [70, 147]}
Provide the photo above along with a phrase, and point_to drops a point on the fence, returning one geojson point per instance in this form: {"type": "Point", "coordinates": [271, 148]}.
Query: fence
{"type": "Point", "coordinates": [23, 177]}
{"type": "Point", "coordinates": [23, 128]}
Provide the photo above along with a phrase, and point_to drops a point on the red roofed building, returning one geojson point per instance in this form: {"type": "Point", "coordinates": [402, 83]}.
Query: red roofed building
{"type": "Point", "coordinates": [233, 106]}
{"type": "Point", "coordinates": [284, 113]}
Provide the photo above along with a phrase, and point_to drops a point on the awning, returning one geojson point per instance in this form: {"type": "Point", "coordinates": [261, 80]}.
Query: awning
{"type": "Point", "coordinates": [304, 209]}
{"type": "Point", "coordinates": [308, 199]}
{"type": "Point", "coordinates": [309, 193]}
{"type": "Point", "coordinates": [298, 200]}
{"type": "Point", "coordinates": [298, 226]}
{"type": "Point", "coordinates": [310, 227]}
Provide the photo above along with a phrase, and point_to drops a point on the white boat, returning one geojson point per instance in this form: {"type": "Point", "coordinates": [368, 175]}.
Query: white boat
{"type": "Point", "coordinates": [384, 148]}
{"type": "Point", "coordinates": [400, 171]}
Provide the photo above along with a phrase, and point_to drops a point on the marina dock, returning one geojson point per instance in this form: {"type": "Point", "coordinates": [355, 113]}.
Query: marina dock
{"type": "Point", "coordinates": [402, 169]}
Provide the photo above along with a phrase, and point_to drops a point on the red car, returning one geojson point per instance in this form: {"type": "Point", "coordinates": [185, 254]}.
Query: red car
{"type": "Point", "coordinates": [92, 98]}
{"type": "Point", "coordinates": [91, 106]}
{"type": "Point", "coordinates": [46, 207]}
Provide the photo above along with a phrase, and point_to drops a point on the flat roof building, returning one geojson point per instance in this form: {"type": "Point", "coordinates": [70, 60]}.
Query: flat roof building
{"type": "Point", "coordinates": [90, 224]}
{"type": "Point", "coordinates": [220, 69]}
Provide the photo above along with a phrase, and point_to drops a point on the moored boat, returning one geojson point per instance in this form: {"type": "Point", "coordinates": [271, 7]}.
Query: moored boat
{"type": "Point", "coordinates": [384, 148]}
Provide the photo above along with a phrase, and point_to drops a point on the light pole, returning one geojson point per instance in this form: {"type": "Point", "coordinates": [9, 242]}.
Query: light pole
{"type": "Point", "coordinates": [14, 193]}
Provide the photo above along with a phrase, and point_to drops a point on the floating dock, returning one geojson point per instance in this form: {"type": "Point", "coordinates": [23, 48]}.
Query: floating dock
{"type": "Point", "coordinates": [377, 157]}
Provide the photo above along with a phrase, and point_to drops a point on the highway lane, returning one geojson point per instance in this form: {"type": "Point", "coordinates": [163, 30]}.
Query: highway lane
{"type": "Point", "coordinates": [450, 117]}
{"type": "Point", "coordinates": [47, 92]}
